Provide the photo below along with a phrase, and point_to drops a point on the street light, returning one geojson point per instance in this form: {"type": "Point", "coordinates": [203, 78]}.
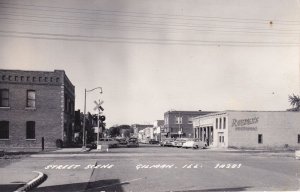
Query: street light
{"type": "Point", "coordinates": [83, 134]}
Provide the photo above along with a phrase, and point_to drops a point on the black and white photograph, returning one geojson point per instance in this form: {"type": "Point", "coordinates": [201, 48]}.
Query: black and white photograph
{"type": "Point", "coordinates": [149, 95]}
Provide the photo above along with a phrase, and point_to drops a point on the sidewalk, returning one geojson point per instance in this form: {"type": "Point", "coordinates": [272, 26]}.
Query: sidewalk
{"type": "Point", "coordinates": [17, 174]}
{"type": "Point", "coordinates": [12, 179]}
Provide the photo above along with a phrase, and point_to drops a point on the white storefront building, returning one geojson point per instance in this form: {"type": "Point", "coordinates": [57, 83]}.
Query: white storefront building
{"type": "Point", "coordinates": [249, 129]}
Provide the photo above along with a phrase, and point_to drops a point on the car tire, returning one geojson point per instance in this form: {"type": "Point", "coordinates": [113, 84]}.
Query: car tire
{"type": "Point", "coordinates": [196, 147]}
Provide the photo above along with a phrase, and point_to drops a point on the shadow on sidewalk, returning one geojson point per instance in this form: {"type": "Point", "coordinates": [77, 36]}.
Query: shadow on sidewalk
{"type": "Point", "coordinates": [100, 185]}
{"type": "Point", "coordinates": [10, 187]}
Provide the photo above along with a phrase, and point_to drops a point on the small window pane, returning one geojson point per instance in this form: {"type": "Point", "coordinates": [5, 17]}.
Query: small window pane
{"type": "Point", "coordinates": [4, 99]}
{"type": "Point", "coordinates": [31, 94]}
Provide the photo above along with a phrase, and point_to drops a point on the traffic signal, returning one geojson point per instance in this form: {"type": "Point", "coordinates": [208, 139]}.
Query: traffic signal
{"type": "Point", "coordinates": [102, 118]}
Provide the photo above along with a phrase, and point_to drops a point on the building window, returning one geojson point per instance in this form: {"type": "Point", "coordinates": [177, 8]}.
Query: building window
{"type": "Point", "coordinates": [22, 78]}
{"type": "Point", "coordinates": [4, 130]}
{"type": "Point", "coordinates": [28, 78]}
{"type": "Point", "coordinates": [16, 78]}
{"type": "Point", "coordinates": [217, 123]}
{"type": "Point", "coordinates": [57, 80]}
{"type": "Point", "coordinates": [4, 98]}
{"type": "Point", "coordinates": [190, 120]}
{"type": "Point", "coordinates": [3, 77]}
{"type": "Point", "coordinates": [298, 138]}
{"type": "Point", "coordinates": [224, 122]}
{"type": "Point", "coordinates": [260, 138]}
{"type": "Point", "coordinates": [30, 130]}
{"type": "Point", "coordinates": [178, 120]}
{"type": "Point", "coordinates": [30, 98]}
{"type": "Point", "coordinates": [220, 123]}
{"type": "Point", "coordinates": [46, 79]}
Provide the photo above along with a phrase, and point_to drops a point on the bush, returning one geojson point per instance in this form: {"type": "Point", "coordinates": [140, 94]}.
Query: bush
{"type": "Point", "coordinates": [59, 143]}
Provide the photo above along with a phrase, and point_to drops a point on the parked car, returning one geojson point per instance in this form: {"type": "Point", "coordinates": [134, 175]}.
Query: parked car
{"type": "Point", "coordinates": [180, 141]}
{"type": "Point", "coordinates": [195, 144]}
{"type": "Point", "coordinates": [122, 141]}
{"type": "Point", "coordinates": [108, 141]}
{"type": "Point", "coordinates": [133, 142]}
{"type": "Point", "coordinates": [166, 142]}
{"type": "Point", "coordinates": [153, 141]}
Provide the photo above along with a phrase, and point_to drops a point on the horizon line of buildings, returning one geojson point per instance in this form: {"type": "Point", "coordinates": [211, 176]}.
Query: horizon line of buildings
{"type": "Point", "coordinates": [37, 109]}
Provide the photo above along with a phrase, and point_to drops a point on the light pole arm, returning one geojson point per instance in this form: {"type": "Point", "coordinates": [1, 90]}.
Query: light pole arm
{"type": "Point", "coordinates": [83, 134]}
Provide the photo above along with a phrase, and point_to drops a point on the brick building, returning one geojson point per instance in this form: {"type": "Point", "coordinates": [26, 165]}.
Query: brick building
{"type": "Point", "coordinates": [35, 105]}
{"type": "Point", "coordinates": [180, 123]}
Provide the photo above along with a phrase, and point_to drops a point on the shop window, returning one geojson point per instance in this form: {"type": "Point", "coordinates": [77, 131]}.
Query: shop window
{"type": "Point", "coordinates": [260, 138]}
{"type": "Point", "coordinates": [30, 130]}
{"type": "Point", "coordinates": [4, 130]}
{"type": "Point", "coordinates": [30, 98]}
{"type": "Point", "coordinates": [4, 98]}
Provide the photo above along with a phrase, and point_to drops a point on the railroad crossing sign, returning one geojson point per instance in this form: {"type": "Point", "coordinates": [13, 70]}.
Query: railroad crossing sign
{"type": "Point", "coordinates": [98, 106]}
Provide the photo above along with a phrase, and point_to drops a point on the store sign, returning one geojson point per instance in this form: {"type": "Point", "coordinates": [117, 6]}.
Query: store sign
{"type": "Point", "coordinates": [243, 124]}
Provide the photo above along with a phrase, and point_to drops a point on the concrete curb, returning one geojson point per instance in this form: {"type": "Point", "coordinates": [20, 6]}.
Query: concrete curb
{"type": "Point", "coordinates": [33, 183]}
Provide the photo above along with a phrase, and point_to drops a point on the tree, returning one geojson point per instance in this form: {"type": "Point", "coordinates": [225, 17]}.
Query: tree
{"type": "Point", "coordinates": [295, 102]}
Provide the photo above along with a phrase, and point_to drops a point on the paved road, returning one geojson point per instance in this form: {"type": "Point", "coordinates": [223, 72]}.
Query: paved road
{"type": "Point", "coordinates": [153, 168]}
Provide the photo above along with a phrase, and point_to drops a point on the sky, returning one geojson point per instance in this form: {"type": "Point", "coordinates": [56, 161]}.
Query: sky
{"type": "Point", "coordinates": [150, 57]}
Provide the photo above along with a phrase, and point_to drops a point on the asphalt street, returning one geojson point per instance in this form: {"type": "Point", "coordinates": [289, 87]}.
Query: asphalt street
{"type": "Point", "coordinates": [154, 168]}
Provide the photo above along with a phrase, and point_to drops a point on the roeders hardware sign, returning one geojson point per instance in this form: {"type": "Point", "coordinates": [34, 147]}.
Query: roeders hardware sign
{"type": "Point", "coordinates": [241, 124]}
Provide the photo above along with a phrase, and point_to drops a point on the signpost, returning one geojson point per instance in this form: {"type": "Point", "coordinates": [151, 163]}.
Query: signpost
{"type": "Point", "coordinates": [100, 109]}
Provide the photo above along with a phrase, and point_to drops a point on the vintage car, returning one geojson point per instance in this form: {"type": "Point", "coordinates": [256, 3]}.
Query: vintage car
{"type": "Point", "coordinates": [133, 142]}
{"type": "Point", "coordinates": [109, 142]}
{"type": "Point", "coordinates": [195, 144]}
{"type": "Point", "coordinates": [179, 142]}
{"type": "Point", "coordinates": [166, 142]}
{"type": "Point", "coordinates": [153, 141]}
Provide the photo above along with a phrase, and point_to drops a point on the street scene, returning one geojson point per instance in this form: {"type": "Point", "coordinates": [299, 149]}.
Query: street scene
{"type": "Point", "coordinates": [149, 96]}
{"type": "Point", "coordinates": [155, 168]}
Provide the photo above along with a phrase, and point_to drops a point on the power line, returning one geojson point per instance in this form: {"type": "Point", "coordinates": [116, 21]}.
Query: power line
{"type": "Point", "coordinates": [66, 37]}
{"type": "Point", "coordinates": [148, 27]}
{"type": "Point", "coordinates": [145, 15]}
{"type": "Point", "coordinates": [147, 23]}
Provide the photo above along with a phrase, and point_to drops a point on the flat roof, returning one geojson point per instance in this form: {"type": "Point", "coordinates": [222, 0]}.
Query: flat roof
{"type": "Point", "coordinates": [224, 112]}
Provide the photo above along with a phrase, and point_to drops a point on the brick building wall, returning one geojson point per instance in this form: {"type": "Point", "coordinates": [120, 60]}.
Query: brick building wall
{"type": "Point", "coordinates": [172, 125]}
{"type": "Point", "coordinates": [52, 119]}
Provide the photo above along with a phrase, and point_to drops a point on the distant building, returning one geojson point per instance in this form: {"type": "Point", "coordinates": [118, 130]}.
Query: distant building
{"type": "Point", "coordinates": [35, 105]}
{"type": "Point", "coordinates": [158, 127]}
{"type": "Point", "coordinates": [180, 123]}
{"type": "Point", "coordinates": [249, 129]}
{"type": "Point", "coordinates": [138, 127]}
